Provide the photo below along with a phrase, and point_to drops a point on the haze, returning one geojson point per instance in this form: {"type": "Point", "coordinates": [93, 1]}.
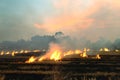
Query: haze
{"type": "Point", "coordinates": [92, 19]}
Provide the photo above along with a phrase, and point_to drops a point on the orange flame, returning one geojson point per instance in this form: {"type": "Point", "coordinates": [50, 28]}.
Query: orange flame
{"type": "Point", "coordinates": [8, 52]}
{"type": "Point", "coordinates": [69, 53]}
{"type": "Point", "coordinates": [106, 49]}
{"type": "Point", "coordinates": [84, 54]}
{"type": "Point", "coordinates": [78, 51]}
{"type": "Point", "coordinates": [2, 53]}
{"type": "Point", "coordinates": [31, 59]}
{"type": "Point", "coordinates": [36, 50]}
{"type": "Point", "coordinates": [13, 53]}
{"type": "Point", "coordinates": [117, 50]}
{"type": "Point", "coordinates": [56, 55]}
{"type": "Point", "coordinates": [98, 56]}
{"type": "Point", "coordinates": [16, 52]}
{"type": "Point", "coordinates": [26, 51]}
{"type": "Point", "coordinates": [42, 58]}
{"type": "Point", "coordinates": [22, 51]}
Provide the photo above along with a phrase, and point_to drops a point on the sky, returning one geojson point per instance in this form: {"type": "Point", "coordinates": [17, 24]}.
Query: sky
{"type": "Point", "coordinates": [92, 19]}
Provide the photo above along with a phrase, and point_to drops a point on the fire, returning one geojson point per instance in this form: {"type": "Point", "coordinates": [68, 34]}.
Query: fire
{"type": "Point", "coordinates": [88, 50]}
{"type": "Point", "coordinates": [117, 50]}
{"type": "Point", "coordinates": [26, 51]}
{"type": "Point", "coordinates": [8, 52]}
{"type": "Point", "coordinates": [84, 54]}
{"type": "Point", "coordinates": [16, 52]}
{"type": "Point", "coordinates": [78, 51]}
{"type": "Point", "coordinates": [98, 56]}
{"type": "Point", "coordinates": [69, 53]}
{"type": "Point", "coordinates": [22, 51]}
{"type": "Point", "coordinates": [2, 53]}
{"type": "Point", "coordinates": [101, 49]}
{"type": "Point", "coordinates": [41, 58]}
{"type": "Point", "coordinates": [13, 53]}
{"type": "Point", "coordinates": [104, 49]}
{"type": "Point", "coordinates": [56, 55]}
{"type": "Point", "coordinates": [36, 50]}
{"type": "Point", "coordinates": [31, 59]}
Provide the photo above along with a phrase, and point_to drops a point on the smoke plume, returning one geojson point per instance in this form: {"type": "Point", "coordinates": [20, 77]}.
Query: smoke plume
{"type": "Point", "coordinates": [60, 39]}
{"type": "Point", "coordinates": [91, 19]}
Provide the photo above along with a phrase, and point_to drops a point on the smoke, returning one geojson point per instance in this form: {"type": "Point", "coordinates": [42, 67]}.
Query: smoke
{"type": "Point", "coordinates": [68, 17]}
{"type": "Point", "coordinates": [90, 24]}
{"type": "Point", "coordinates": [91, 19]}
{"type": "Point", "coordinates": [84, 18]}
{"type": "Point", "coordinates": [53, 49]}
{"type": "Point", "coordinates": [60, 39]}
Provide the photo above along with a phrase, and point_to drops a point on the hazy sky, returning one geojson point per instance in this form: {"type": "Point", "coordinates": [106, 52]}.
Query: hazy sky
{"type": "Point", "coordinates": [22, 19]}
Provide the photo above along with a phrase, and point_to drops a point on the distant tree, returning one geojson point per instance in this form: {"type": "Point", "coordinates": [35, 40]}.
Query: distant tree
{"type": "Point", "coordinates": [59, 34]}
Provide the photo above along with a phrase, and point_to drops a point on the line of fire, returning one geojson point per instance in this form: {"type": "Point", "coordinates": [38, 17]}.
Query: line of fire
{"type": "Point", "coordinates": [57, 64]}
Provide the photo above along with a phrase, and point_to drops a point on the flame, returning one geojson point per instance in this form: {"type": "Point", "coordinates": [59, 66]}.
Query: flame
{"type": "Point", "coordinates": [106, 49]}
{"type": "Point", "coordinates": [84, 54]}
{"type": "Point", "coordinates": [98, 56]}
{"type": "Point", "coordinates": [36, 50]}
{"type": "Point", "coordinates": [56, 55]}
{"type": "Point", "coordinates": [8, 52]}
{"type": "Point", "coordinates": [22, 51]}
{"type": "Point", "coordinates": [31, 59]}
{"type": "Point", "coordinates": [88, 50]}
{"type": "Point", "coordinates": [42, 58]}
{"type": "Point", "coordinates": [69, 53]}
{"type": "Point", "coordinates": [117, 50]}
{"type": "Point", "coordinates": [78, 51]}
{"type": "Point", "coordinates": [101, 49]}
{"type": "Point", "coordinates": [2, 53]}
{"type": "Point", "coordinates": [26, 51]}
{"type": "Point", "coordinates": [16, 52]}
{"type": "Point", "coordinates": [13, 53]}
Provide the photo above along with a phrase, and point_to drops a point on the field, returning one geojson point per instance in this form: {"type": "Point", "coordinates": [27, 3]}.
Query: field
{"type": "Point", "coordinates": [75, 68]}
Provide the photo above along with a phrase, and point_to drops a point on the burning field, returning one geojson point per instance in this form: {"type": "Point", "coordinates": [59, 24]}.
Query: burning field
{"type": "Point", "coordinates": [61, 61]}
{"type": "Point", "coordinates": [60, 64]}
{"type": "Point", "coordinates": [34, 47]}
